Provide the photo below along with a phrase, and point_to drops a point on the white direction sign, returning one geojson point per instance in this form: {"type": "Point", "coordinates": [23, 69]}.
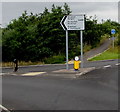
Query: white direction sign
{"type": "Point", "coordinates": [73, 22]}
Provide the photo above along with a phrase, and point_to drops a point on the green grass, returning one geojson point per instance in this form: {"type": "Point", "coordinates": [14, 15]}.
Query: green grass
{"type": "Point", "coordinates": [111, 53]}
{"type": "Point", "coordinates": [60, 59]}
{"type": "Point", "coordinates": [21, 63]}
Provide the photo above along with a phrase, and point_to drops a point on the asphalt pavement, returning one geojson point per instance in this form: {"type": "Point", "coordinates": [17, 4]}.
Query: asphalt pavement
{"type": "Point", "coordinates": [53, 67]}
{"type": "Point", "coordinates": [96, 90]}
{"type": "Point", "coordinates": [52, 87]}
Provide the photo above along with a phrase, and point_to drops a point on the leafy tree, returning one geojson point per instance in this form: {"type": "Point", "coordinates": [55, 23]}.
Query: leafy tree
{"type": "Point", "coordinates": [38, 37]}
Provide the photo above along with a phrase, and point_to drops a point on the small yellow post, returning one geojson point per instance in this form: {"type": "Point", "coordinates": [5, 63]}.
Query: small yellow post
{"type": "Point", "coordinates": [76, 63]}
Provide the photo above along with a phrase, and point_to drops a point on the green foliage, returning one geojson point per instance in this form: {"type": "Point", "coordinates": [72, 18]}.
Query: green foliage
{"type": "Point", "coordinates": [40, 37]}
{"type": "Point", "coordinates": [55, 59]}
{"type": "Point", "coordinates": [112, 53]}
{"type": "Point", "coordinates": [93, 32]}
{"type": "Point", "coordinates": [118, 39]}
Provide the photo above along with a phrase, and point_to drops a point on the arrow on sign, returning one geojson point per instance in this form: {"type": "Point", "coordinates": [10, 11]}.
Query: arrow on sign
{"type": "Point", "coordinates": [113, 31]}
{"type": "Point", "coordinates": [73, 22]}
{"type": "Point", "coordinates": [63, 22]}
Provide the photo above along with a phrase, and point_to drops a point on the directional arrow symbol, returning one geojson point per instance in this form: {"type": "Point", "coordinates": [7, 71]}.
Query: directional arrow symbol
{"type": "Point", "coordinates": [63, 21]}
{"type": "Point", "coordinates": [113, 31]}
{"type": "Point", "coordinates": [73, 22]}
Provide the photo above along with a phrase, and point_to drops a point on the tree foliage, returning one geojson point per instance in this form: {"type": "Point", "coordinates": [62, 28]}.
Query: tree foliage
{"type": "Point", "coordinates": [37, 37]}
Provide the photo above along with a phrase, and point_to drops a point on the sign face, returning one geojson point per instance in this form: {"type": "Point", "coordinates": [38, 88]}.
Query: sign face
{"type": "Point", "coordinates": [73, 22]}
{"type": "Point", "coordinates": [76, 58]}
{"type": "Point", "coordinates": [113, 31]}
{"type": "Point", "coordinates": [113, 38]}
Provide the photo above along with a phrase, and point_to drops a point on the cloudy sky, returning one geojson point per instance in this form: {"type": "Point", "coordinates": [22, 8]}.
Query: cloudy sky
{"type": "Point", "coordinates": [103, 10]}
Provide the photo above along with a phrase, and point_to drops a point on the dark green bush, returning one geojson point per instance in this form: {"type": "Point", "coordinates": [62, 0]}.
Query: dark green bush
{"type": "Point", "coordinates": [55, 59]}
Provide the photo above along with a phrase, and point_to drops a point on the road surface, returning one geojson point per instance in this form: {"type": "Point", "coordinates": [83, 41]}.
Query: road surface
{"type": "Point", "coordinates": [96, 90]}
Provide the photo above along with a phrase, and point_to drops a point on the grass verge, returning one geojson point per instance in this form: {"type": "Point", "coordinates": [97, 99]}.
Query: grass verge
{"type": "Point", "coordinates": [21, 63]}
{"type": "Point", "coordinates": [111, 53]}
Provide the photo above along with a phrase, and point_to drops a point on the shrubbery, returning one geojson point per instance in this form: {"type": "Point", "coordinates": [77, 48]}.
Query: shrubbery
{"type": "Point", "coordinates": [40, 37]}
{"type": "Point", "coordinates": [55, 59]}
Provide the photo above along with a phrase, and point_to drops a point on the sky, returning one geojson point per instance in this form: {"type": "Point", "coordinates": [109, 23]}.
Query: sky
{"type": "Point", "coordinates": [12, 9]}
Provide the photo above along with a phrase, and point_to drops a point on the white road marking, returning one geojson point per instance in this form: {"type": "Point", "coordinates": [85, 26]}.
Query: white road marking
{"type": "Point", "coordinates": [117, 64]}
{"type": "Point", "coordinates": [3, 108]}
{"type": "Point", "coordinates": [107, 66]}
{"type": "Point", "coordinates": [33, 73]}
{"type": "Point", "coordinates": [2, 74]}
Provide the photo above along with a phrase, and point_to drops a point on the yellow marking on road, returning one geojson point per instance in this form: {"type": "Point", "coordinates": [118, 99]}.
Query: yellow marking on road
{"type": "Point", "coordinates": [33, 73]}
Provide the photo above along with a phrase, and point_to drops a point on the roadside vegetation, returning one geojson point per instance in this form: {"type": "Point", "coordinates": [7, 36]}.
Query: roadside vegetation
{"type": "Point", "coordinates": [39, 38]}
{"type": "Point", "coordinates": [111, 53]}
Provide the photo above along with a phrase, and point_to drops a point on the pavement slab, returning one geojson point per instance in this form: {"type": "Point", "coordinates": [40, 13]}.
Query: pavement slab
{"type": "Point", "coordinates": [71, 73]}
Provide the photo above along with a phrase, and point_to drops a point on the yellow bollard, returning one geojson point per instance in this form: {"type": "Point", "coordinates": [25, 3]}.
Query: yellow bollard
{"type": "Point", "coordinates": [76, 63]}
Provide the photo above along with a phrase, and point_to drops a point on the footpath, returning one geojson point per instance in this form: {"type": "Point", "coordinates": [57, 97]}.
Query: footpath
{"type": "Point", "coordinates": [104, 46]}
{"type": "Point", "coordinates": [71, 73]}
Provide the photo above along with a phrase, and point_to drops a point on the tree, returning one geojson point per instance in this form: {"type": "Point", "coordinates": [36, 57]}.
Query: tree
{"type": "Point", "coordinates": [67, 10]}
{"type": "Point", "coordinates": [35, 37]}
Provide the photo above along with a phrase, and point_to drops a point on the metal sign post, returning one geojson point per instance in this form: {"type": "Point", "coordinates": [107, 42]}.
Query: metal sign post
{"type": "Point", "coordinates": [113, 40]}
{"type": "Point", "coordinates": [113, 44]}
{"type": "Point", "coordinates": [67, 49]}
{"type": "Point", "coordinates": [113, 31]}
{"type": "Point", "coordinates": [73, 22]}
{"type": "Point", "coordinates": [81, 43]}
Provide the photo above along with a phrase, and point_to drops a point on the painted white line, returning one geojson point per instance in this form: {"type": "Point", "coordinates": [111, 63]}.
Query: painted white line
{"type": "Point", "coordinates": [117, 64]}
{"type": "Point", "coordinates": [107, 66]}
{"type": "Point", "coordinates": [2, 74]}
{"type": "Point", "coordinates": [3, 108]}
{"type": "Point", "coordinates": [33, 73]}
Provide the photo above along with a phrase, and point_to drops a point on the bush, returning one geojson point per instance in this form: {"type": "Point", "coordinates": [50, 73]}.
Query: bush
{"type": "Point", "coordinates": [55, 59]}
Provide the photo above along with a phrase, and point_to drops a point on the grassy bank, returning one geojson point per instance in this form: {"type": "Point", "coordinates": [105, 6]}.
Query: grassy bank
{"type": "Point", "coordinates": [60, 59]}
{"type": "Point", "coordinates": [21, 63]}
{"type": "Point", "coordinates": [111, 53]}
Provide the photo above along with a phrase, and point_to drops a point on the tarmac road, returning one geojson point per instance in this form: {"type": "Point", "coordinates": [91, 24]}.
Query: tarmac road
{"type": "Point", "coordinates": [87, 55]}
{"type": "Point", "coordinates": [53, 67]}
{"type": "Point", "coordinates": [96, 90]}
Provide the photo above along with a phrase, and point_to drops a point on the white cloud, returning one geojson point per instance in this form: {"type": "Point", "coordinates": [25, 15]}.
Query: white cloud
{"type": "Point", "coordinates": [0, 14]}
{"type": "Point", "coordinates": [119, 12]}
{"type": "Point", "coordinates": [60, 0]}
{"type": "Point", "coordinates": [103, 10]}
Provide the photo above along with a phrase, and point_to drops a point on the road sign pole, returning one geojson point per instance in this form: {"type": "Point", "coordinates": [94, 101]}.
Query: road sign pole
{"type": "Point", "coordinates": [113, 43]}
{"type": "Point", "coordinates": [67, 49]}
{"type": "Point", "coordinates": [113, 31]}
{"type": "Point", "coordinates": [81, 38]}
{"type": "Point", "coordinates": [73, 22]}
